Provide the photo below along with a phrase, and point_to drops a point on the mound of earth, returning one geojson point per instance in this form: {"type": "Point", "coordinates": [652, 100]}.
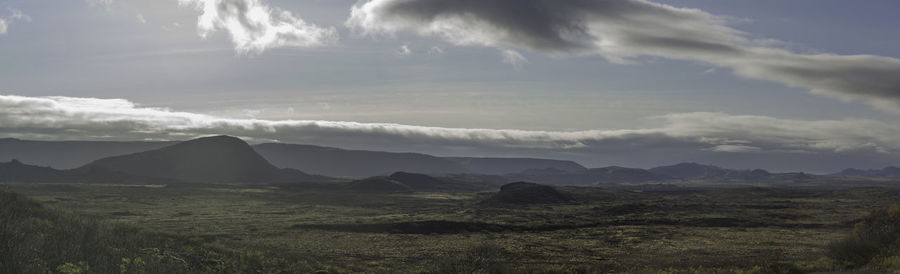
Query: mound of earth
{"type": "Point", "coordinates": [528, 193]}
{"type": "Point", "coordinates": [379, 185]}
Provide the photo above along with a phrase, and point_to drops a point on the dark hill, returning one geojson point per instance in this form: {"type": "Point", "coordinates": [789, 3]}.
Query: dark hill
{"type": "Point", "coordinates": [690, 171]}
{"type": "Point", "coordinates": [408, 182]}
{"type": "Point", "coordinates": [419, 182]}
{"type": "Point", "coordinates": [528, 193]}
{"type": "Point", "coordinates": [615, 174]}
{"type": "Point", "coordinates": [378, 185]}
{"type": "Point", "coordinates": [425, 183]}
{"type": "Point", "coordinates": [15, 171]}
{"type": "Point", "coordinates": [594, 176]}
{"type": "Point", "coordinates": [500, 166]}
{"type": "Point", "coordinates": [219, 159]}
{"type": "Point", "coordinates": [355, 163]}
{"type": "Point", "coordinates": [69, 154]}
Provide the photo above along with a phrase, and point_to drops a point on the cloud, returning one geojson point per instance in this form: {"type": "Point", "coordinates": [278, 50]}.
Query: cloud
{"type": "Point", "coordinates": [681, 137]}
{"type": "Point", "coordinates": [140, 18]}
{"type": "Point", "coordinates": [436, 51]}
{"type": "Point", "coordinates": [404, 50]}
{"type": "Point", "coordinates": [514, 58]}
{"type": "Point", "coordinates": [255, 27]}
{"type": "Point", "coordinates": [19, 15]}
{"type": "Point", "coordinates": [621, 30]}
{"type": "Point", "coordinates": [106, 3]}
{"type": "Point", "coordinates": [15, 15]}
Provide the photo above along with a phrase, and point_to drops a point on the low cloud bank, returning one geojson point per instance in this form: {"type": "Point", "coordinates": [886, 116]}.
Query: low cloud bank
{"type": "Point", "coordinates": [698, 136]}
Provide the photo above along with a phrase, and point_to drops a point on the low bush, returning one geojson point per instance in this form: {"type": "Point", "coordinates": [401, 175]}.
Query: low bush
{"type": "Point", "coordinates": [35, 238]}
{"type": "Point", "coordinates": [874, 242]}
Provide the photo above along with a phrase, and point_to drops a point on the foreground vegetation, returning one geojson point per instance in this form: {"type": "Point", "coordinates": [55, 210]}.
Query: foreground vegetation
{"type": "Point", "coordinates": [41, 239]}
{"type": "Point", "coordinates": [262, 229]}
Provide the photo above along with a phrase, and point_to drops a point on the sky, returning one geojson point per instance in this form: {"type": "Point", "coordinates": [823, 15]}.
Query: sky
{"type": "Point", "coordinates": [808, 85]}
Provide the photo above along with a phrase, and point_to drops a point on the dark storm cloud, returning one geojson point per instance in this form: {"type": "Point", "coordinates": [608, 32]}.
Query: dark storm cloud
{"type": "Point", "coordinates": [623, 29]}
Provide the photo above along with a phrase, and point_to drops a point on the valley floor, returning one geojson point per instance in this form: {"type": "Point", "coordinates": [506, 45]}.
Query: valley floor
{"type": "Point", "coordinates": [753, 229]}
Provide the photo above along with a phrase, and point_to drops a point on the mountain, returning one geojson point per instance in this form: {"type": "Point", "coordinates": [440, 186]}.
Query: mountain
{"type": "Point", "coordinates": [524, 193]}
{"type": "Point", "coordinates": [500, 166]}
{"type": "Point", "coordinates": [616, 174]}
{"type": "Point", "coordinates": [690, 171]}
{"type": "Point", "coordinates": [594, 176]}
{"type": "Point", "coordinates": [205, 160]}
{"type": "Point", "coordinates": [407, 182]}
{"type": "Point", "coordinates": [359, 163]}
{"type": "Point", "coordinates": [69, 154]}
{"type": "Point", "coordinates": [887, 172]}
{"type": "Point", "coordinates": [354, 163]}
{"type": "Point", "coordinates": [694, 171]}
{"type": "Point", "coordinates": [378, 185]}
{"type": "Point", "coordinates": [17, 172]}
{"type": "Point", "coordinates": [422, 182]}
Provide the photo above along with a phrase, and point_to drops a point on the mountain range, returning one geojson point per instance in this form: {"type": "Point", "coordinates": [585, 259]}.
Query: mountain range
{"type": "Point", "coordinates": [219, 159]}
{"type": "Point", "coordinates": [619, 175]}
{"type": "Point", "coordinates": [224, 159]}
{"type": "Point", "coordinates": [320, 160]}
{"type": "Point", "coordinates": [69, 154]}
{"type": "Point", "coordinates": [888, 172]}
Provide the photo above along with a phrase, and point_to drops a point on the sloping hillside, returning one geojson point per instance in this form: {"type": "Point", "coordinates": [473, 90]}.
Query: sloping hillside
{"type": "Point", "coordinates": [500, 166]}
{"type": "Point", "coordinates": [219, 159]}
{"type": "Point", "coordinates": [69, 154]}
{"type": "Point", "coordinates": [356, 163]}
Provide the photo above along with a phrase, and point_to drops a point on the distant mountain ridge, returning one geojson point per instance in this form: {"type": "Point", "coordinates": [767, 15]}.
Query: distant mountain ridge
{"type": "Point", "coordinates": [410, 182]}
{"type": "Point", "coordinates": [17, 172]}
{"type": "Point", "coordinates": [887, 172]}
{"type": "Point", "coordinates": [593, 176]}
{"type": "Point", "coordinates": [218, 159]}
{"type": "Point", "coordinates": [69, 154]}
{"type": "Point", "coordinates": [302, 160]}
{"type": "Point", "coordinates": [499, 166]}
{"type": "Point", "coordinates": [327, 161]}
{"type": "Point", "coordinates": [362, 163]}
{"type": "Point", "coordinates": [622, 175]}
{"type": "Point", "coordinates": [353, 163]}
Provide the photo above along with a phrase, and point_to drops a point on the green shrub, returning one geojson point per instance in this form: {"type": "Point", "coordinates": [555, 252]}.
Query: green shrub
{"type": "Point", "coordinates": [38, 239]}
{"type": "Point", "coordinates": [875, 239]}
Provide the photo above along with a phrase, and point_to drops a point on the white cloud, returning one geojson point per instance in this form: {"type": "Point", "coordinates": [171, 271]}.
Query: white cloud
{"type": "Point", "coordinates": [105, 3]}
{"type": "Point", "coordinates": [404, 50]}
{"type": "Point", "coordinates": [714, 131]}
{"type": "Point", "coordinates": [19, 15]}
{"type": "Point", "coordinates": [255, 26]}
{"type": "Point", "coordinates": [734, 148]}
{"type": "Point", "coordinates": [140, 18]}
{"type": "Point", "coordinates": [514, 58]}
{"type": "Point", "coordinates": [435, 50]}
{"type": "Point", "coordinates": [770, 142]}
{"type": "Point", "coordinates": [621, 30]}
{"type": "Point", "coordinates": [15, 15]}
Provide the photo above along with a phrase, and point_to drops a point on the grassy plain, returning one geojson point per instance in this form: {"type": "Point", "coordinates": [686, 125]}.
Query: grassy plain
{"type": "Point", "coordinates": [681, 230]}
